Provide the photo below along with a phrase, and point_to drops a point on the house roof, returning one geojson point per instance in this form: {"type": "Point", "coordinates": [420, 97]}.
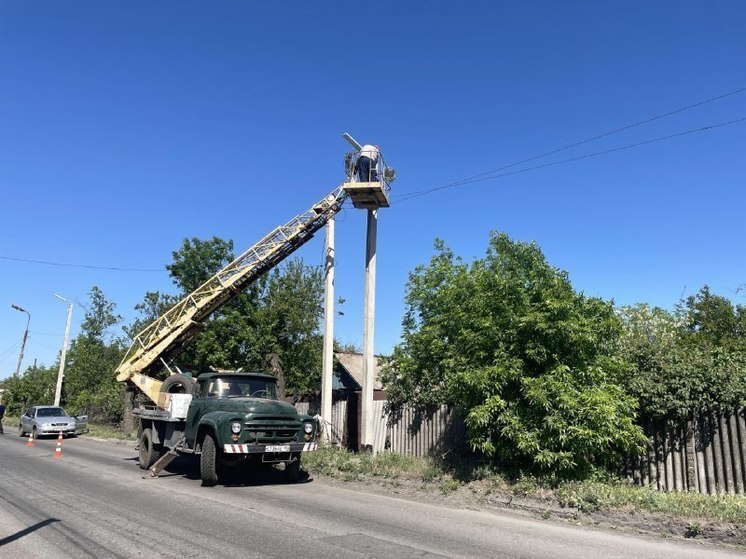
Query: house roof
{"type": "Point", "coordinates": [352, 363]}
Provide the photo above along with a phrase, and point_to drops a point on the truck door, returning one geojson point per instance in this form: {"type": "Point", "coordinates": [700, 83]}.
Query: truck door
{"type": "Point", "coordinates": [196, 410]}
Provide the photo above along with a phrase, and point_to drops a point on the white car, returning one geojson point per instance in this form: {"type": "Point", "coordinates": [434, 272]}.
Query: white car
{"type": "Point", "coordinates": [51, 420]}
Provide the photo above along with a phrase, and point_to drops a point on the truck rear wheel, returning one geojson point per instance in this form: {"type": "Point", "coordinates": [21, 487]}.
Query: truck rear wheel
{"type": "Point", "coordinates": [149, 452]}
{"type": "Point", "coordinates": [208, 463]}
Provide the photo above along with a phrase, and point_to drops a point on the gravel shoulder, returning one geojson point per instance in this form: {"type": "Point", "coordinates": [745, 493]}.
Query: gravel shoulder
{"type": "Point", "coordinates": [480, 496]}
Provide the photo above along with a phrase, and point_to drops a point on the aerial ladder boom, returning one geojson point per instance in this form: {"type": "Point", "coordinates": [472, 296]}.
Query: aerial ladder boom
{"type": "Point", "coordinates": [168, 334]}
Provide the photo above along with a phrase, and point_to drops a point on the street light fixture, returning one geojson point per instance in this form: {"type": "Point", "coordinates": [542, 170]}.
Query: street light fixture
{"type": "Point", "coordinates": [61, 373]}
{"type": "Point", "coordinates": [25, 335]}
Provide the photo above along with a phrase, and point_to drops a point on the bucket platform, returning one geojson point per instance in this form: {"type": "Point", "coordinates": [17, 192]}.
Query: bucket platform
{"type": "Point", "coordinates": [367, 195]}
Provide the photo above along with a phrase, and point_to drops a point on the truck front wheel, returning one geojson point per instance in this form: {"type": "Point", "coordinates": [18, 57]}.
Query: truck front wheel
{"type": "Point", "coordinates": [208, 462]}
{"type": "Point", "coordinates": [149, 452]}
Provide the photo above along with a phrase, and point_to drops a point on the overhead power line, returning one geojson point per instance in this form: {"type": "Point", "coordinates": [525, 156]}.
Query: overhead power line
{"type": "Point", "coordinates": [92, 267]}
{"type": "Point", "coordinates": [568, 160]}
{"type": "Point", "coordinates": [8, 352]}
{"type": "Point", "coordinates": [470, 179]}
{"type": "Point", "coordinates": [487, 175]}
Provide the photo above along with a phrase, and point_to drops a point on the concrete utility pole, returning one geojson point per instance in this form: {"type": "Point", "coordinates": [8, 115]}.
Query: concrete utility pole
{"type": "Point", "coordinates": [327, 358]}
{"type": "Point", "coordinates": [369, 196]}
{"type": "Point", "coordinates": [25, 336]}
{"type": "Point", "coordinates": [61, 372]}
{"type": "Point", "coordinates": [369, 321]}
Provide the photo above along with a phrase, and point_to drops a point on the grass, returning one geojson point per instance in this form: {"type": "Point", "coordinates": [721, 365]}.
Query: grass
{"type": "Point", "coordinates": [592, 496]}
{"type": "Point", "coordinates": [602, 494]}
{"type": "Point", "coordinates": [351, 466]}
{"type": "Point", "coordinates": [103, 431]}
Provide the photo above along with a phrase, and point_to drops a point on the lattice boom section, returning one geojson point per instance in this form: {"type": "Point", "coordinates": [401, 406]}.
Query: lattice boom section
{"type": "Point", "coordinates": [169, 332]}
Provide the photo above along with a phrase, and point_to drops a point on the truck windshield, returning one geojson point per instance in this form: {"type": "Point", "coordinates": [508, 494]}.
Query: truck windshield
{"type": "Point", "coordinates": [233, 387]}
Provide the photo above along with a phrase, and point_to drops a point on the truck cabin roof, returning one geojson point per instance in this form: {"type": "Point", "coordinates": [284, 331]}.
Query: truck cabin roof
{"type": "Point", "coordinates": [206, 376]}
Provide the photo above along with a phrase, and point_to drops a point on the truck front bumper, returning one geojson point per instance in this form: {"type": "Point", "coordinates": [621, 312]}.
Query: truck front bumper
{"type": "Point", "coordinates": [267, 448]}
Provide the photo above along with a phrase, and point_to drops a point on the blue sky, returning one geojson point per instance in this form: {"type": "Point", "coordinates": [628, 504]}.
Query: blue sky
{"type": "Point", "coordinates": [126, 127]}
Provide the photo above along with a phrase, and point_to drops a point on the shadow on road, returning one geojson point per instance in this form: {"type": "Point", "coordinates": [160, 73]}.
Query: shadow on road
{"type": "Point", "coordinates": [244, 474]}
{"type": "Point", "coordinates": [26, 531]}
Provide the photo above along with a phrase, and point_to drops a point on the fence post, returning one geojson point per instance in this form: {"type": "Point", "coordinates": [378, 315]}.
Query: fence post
{"type": "Point", "coordinates": [677, 465]}
{"type": "Point", "coordinates": [709, 449]}
{"type": "Point", "coordinates": [725, 439]}
{"type": "Point", "coordinates": [691, 468]}
{"type": "Point", "coordinates": [741, 422]}
{"type": "Point", "coordinates": [652, 457]}
{"type": "Point", "coordinates": [667, 455]}
{"type": "Point", "coordinates": [718, 454]}
{"type": "Point", "coordinates": [734, 440]}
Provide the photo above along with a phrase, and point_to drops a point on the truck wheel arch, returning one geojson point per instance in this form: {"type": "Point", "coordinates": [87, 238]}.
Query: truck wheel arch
{"type": "Point", "coordinates": [154, 434]}
{"type": "Point", "coordinates": [202, 431]}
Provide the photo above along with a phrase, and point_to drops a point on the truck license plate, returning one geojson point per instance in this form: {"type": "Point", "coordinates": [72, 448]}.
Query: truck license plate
{"type": "Point", "coordinates": [278, 448]}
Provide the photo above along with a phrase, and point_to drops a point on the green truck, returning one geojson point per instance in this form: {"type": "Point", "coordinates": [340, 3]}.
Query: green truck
{"type": "Point", "coordinates": [227, 418]}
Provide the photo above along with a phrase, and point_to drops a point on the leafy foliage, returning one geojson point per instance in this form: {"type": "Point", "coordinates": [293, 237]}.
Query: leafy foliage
{"type": "Point", "coordinates": [35, 386]}
{"type": "Point", "coordinates": [279, 317]}
{"type": "Point", "coordinates": [153, 305]}
{"type": "Point", "coordinates": [197, 261]}
{"type": "Point", "coordinates": [94, 354]}
{"type": "Point", "coordinates": [690, 360]}
{"type": "Point", "coordinates": [530, 360]}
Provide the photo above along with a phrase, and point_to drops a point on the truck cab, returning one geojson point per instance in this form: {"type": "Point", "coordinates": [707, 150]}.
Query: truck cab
{"type": "Point", "coordinates": [243, 410]}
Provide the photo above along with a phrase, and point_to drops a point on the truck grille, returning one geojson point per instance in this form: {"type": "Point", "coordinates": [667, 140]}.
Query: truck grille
{"type": "Point", "coordinates": [267, 429]}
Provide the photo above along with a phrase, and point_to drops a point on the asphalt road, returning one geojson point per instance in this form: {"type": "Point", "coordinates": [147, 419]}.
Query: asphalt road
{"type": "Point", "coordinates": [93, 502]}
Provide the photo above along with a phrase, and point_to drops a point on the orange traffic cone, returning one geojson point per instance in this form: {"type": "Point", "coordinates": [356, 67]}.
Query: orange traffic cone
{"type": "Point", "coordinates": [58, 450]}
{"type": "Point", "coordinates": [30, 441]}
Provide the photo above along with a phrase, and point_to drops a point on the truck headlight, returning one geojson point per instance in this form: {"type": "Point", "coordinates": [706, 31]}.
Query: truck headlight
{"type": "Point", "coordinates": [308, 428]}
{"type": "Point", "coordinates": [236, 427]}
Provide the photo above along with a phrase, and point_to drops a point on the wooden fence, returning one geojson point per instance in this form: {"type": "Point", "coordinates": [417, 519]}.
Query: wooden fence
{"type": "Point", "coordinates": [408, 432]}
{"type": "Point", "coordinates": [707, 454]}
{"type": "Point", "coordinates": [438, 432]}
{"type": "Point", "coordinates": [337, 426]}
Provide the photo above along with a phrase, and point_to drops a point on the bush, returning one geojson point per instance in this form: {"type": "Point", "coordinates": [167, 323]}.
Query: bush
{"type": "Point", "coordinates": [533, 363]}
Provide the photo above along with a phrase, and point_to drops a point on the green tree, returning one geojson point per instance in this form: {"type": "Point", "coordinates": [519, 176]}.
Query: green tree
{"type": "Point", "coordinates": [686, 361]}
{"type": "Point", "coordinates": [273, 325]}
{"type": "Point", "coordinates": [289, 315]}
{"type": "Point", "coordinates": [532, 362]}
{"type": "Point", "coordinates": [94, 354]}
{"type": "Point", "coordinates": [153, 305]}
{"type": "Point", "coordinates": [712, 319]}
{"type": "Point", "coordinates": [197, 261]}
{"type": "Point", "coordinates": [34, 386]}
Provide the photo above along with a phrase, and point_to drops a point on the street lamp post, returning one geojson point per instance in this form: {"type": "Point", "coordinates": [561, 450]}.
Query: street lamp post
{"type": "Point", "coordinates": [25, 336]}
{"type": "Point", "coordinates": [61, 373]}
